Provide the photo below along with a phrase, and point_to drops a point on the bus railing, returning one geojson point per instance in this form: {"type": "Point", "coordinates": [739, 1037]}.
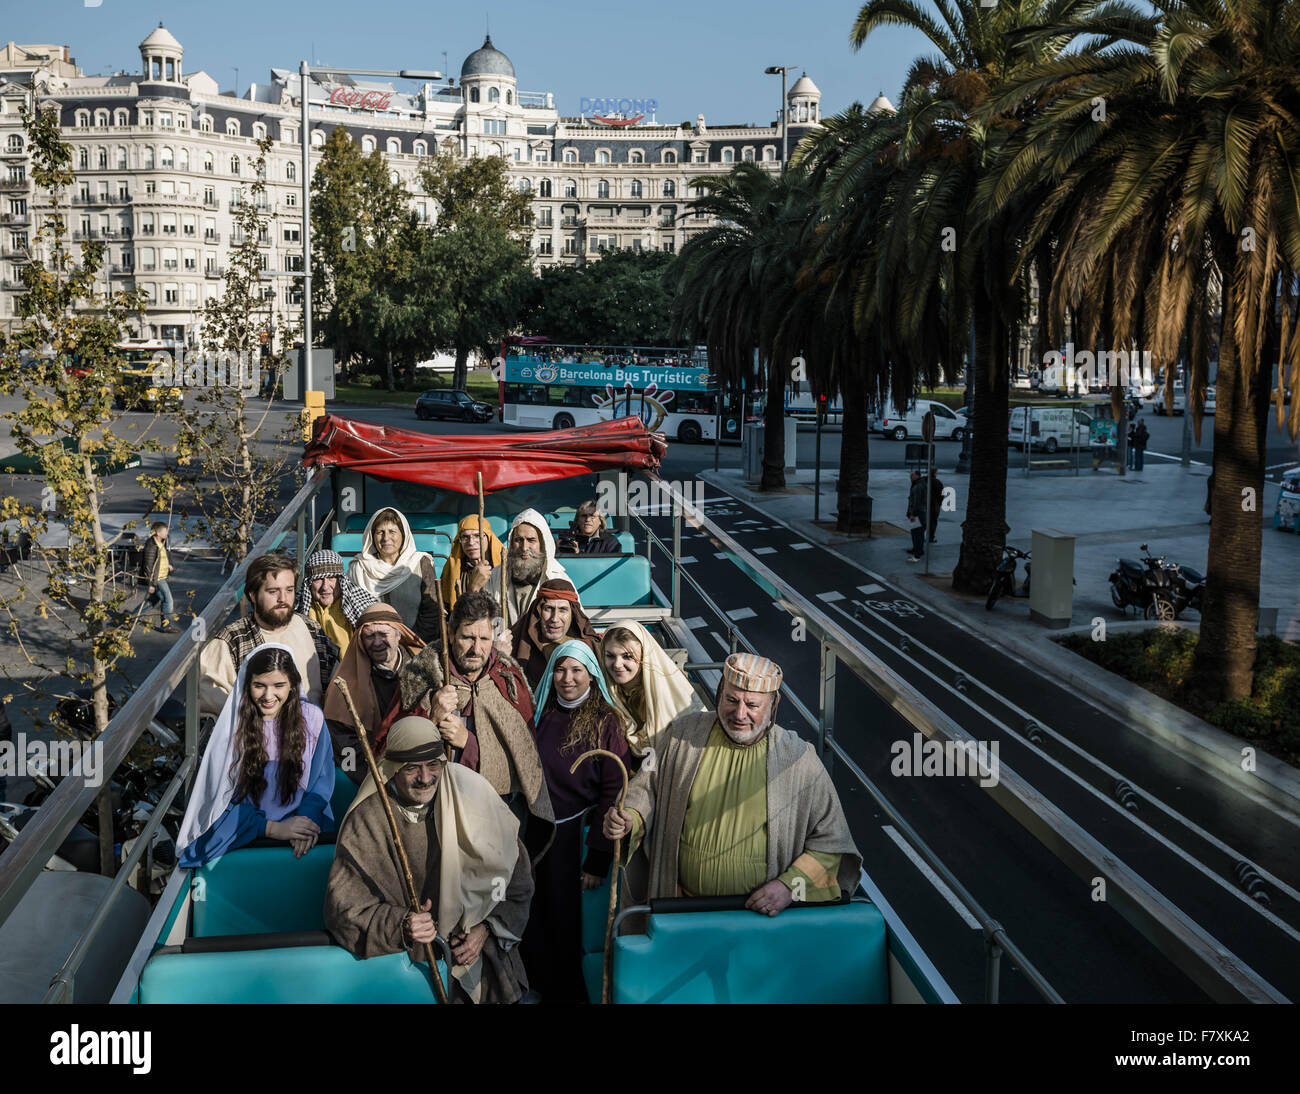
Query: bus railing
{"type": "Point", "coordinates": [26, 856]}
{"type": "Point", "coordinates": [838, 648]}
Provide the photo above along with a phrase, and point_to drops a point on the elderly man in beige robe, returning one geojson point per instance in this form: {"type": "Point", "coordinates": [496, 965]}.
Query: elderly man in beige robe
{"type": "Point", "coordinates": [471, 872]}
{"type": "Point", "coordinates": [733, 804]}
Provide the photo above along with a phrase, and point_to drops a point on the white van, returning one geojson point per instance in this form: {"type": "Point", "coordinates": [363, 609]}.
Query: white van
{"type": "Point", "coordinates": [1049, 427]}
{"type": "Point", "coordinates": [1180, 400]}
{"type": "Point", "coordinates": [947, 425]}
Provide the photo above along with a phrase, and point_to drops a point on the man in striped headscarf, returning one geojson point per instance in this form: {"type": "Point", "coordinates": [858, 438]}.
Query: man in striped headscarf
{"type": "Point", "coordinates": [735, 805]}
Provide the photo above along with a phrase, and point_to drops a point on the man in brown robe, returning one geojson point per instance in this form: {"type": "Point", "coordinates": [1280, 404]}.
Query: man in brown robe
{"type": "Point", "coordinates": [383, 645]}
{"type": "Point", "coordinates": [556, 615]}
{"type": "Point", "coordinates": [485, 715]}
{"type": "Point", "coordinates": [471, 873]}
{"type": "Point", "coordinates": [735, 805]}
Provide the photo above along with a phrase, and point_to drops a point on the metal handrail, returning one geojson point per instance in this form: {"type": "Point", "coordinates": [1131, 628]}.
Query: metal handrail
{"type": "Point", "coordinates": [838, 647]}
{"type": "Point", "coordinates": [26, 857]}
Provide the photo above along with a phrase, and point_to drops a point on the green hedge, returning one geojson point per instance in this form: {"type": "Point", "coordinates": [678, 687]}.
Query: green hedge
{"type": "Point", "coordinates": [1160, 660]}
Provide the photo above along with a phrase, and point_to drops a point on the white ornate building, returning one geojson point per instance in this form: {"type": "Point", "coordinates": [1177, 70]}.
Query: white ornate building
{"type": "Point", "coordinates": [162, 157]}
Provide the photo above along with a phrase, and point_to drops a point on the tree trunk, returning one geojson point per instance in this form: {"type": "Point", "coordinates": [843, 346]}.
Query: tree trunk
{"type": "Point", "coordinates": [854, 442]}
{"type": "Point", "coordinates": [460, 375]}
{"type": "Point", "coordinates": [95, 626]}
{"type": "Point", "coordinates": [1224, 663]}
{"type": "Point", "coordinates": [774, 433]}
{"type": "Point", "coordinates": [1042, 336]}
{"type": "Point", "coordinates": [409, 363]}
{"type": "Point", "coordinates": [984, 531]}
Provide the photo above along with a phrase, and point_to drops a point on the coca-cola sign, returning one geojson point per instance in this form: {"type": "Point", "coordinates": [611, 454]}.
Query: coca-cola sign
{"type": "Point", "coordinates": [359, 99]}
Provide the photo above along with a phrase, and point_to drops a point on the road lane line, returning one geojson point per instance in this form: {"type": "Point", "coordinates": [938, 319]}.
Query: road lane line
{"type": "Point", "coordinates": [934, 879]}
{"type": "Point", "coordinates": [737, 614]}
{"type": "Point", "coordinates": [830, 597]}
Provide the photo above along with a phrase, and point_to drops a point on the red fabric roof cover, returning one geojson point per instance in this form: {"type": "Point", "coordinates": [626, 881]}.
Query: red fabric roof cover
{"type": "Point", "coordinates": [511, 459]}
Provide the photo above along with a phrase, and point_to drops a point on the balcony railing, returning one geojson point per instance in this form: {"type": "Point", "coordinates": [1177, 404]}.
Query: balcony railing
{"type": "Point", "coordinates": [211, 237]}
{"type": "Point", "coordinates": [214, 271]}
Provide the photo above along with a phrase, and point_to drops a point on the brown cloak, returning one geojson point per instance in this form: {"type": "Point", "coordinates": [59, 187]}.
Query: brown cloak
{"type": "Point", "coordinates": [365, 901]}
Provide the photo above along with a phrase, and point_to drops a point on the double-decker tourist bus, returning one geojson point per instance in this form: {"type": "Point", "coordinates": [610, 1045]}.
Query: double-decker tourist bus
{"type": "Point", "coordinates": [546, 385]}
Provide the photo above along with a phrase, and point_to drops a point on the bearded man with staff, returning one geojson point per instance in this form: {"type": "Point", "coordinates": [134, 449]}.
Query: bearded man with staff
{"type": "Point", "coordinates": [736, 805]}
{"type": "Point", "coordinates": [469, 869]}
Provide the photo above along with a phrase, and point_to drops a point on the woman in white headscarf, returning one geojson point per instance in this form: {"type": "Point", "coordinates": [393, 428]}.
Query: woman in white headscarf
{"type": "Point", "coordinates": [390, 567]}
{"type": "Point", "coordinates": [266, 772]}
{"type": "Point", "coordinates": [647, 688]}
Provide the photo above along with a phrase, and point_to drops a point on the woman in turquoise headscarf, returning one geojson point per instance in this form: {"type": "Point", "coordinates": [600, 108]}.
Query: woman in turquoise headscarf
{"type": "Point", "coordinates": [574, 713]}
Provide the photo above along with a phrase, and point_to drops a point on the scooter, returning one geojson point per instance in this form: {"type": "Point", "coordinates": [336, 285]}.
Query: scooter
{"type": "Point", "coordinates": [1004, 577]}
{"type": "Point", "coordinates": [1189, 589]}
{"type": "Point", "coordinates": [1148, 585]}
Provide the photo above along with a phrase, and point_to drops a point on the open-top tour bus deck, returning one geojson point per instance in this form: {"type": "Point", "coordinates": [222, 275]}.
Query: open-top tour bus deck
{"type": "Point", "coordinates": [248, 926]}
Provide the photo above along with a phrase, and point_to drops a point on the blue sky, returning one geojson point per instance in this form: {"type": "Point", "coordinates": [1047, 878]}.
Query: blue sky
{"type": "Point", "coordinates": [694, 56]}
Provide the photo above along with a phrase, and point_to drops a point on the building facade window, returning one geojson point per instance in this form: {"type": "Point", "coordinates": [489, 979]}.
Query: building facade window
{"type": "Point", "coordinates": [544, 188]}
{"type": "Point", "coordinates": [234, 165]}
{"type": "Point", "coordinates": [570, 188]}
{"type": "Point", "coordinates": [544, 247]}
{"type": "Point", "coordinates": [728, 155]}
{"type": "Point", "coordinates": [367, 144]}
{"type": "Point", "coordinates": [232, 127]}
{"type": "Point", "coordinates": [525, 186]}
{"type": "Point", "coordinates": [635, 189]}
{"type": "Point", "coordinates": [101, 158]}
{"type": "Point", "coordinates": [670, 188]}
{"type": "Point", "coordinates": [636, 156]}
{"type": "Point", "coordinates": [147, 157]}
{"type": "Point", "coordinates": [602, 156]}
{"type": "Point", "coordinates": [83, 119]}
{"type": "Point", "coordinates": [120, 118]}
{"type": "Point", "coordinates": [259, 131]}
{"type": "Point", "coordinates": [393, 146]}
{"type": "Point", "coordinates": [544, 215]}
{"type": "Point", "coordinates": [570, 155]}
{"type": "Point", "coordinates": [83, 159]}
{"type": "Point", "coordinates": [748, 154]}
{"type": "Point", "coordinates": [421, 149]}
{"type": "Point", "coordinates": [769, 153]}
{"type": "Point", "coordinates": [183, 159]}
{"type": "Point", "coordinates": [494, 95]}
{"type": "Point", "coordinates": [317, 138]}
{"type": "Point", "coordinates": [101, 118]}
{"type": "Point", "coordinates": [168, 157]}
{"type": "Point", "coordinates": [602, 188]}
{"type": "Point", "coordinates": [205, 123]}
{"type": "Point", "coordinates": [291, 171]}
{"type": "Point", "coordinates": [473, 95]}
{"type": "Point", "coordinates": [669, 156]}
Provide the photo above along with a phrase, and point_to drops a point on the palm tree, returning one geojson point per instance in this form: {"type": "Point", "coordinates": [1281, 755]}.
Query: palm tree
{"type": "Point", "coordinates": [733, 281]}
{"type": "Point", "coordinates": [943, 259]}
{"type": "Point", "coordinates": [1181, 192]}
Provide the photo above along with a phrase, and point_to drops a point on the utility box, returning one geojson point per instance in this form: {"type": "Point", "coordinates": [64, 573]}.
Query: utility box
{"type": "Point", "coordinates": [1051, 588]}
{"type": "Point", "coordinates": [322, 374]}
{"type": "Point", "coordinates": [751, 452]}
{"type": "Point", "coordinates": [791, 445]}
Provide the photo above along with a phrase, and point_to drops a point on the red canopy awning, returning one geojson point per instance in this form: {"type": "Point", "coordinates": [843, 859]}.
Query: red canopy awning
{"type": "Point", "coordinates": [506, 460]}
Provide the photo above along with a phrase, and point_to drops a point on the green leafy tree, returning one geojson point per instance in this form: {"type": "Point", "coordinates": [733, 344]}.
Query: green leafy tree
{"type": "Point", "coordinates": [1171, 158]}
{"type": "Point", "coordinates": [477, 253]}
{"type": "Point", "coordinates": [622, 300]}
{"type": "Point", "coordinates": [63, 360]}
{"type": "Point", "coordinates": [358, 215]}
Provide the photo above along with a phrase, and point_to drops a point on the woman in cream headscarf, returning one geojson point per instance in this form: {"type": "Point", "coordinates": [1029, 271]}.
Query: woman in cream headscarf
{"type": "Point", "coordinates": [462, 574]}
{"type": "Point", "coordinates": [392, 569]}
{"type": "Point", "coordinates": [647, 687]}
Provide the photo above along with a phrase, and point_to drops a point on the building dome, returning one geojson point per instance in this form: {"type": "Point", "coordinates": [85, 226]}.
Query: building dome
{"type": "Point", "coordinates": [487, 61]}
{"type": "Point", "coordinates": [161, 37]}
{"type": "Point", "coordinates": [804, 86]}
{"type": "Point", "coordinates": [881, 104]}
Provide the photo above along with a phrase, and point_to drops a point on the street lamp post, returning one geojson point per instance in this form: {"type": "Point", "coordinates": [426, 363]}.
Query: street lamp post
{"type": "Point", "coordinates": [772, 70]}
{"type": "Point", "coordinates": [304, 137]}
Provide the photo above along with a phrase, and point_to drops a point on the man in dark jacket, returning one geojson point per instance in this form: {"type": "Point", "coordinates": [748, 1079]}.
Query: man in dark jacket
{"type": "Point", "coordinates": [916, 517]}
{"type": "Point", "coordinates": [155, 568]}
{"type": "Point", "coordinates": [586, 534]}
{"type": "Point", "coordinates": [936, 501]}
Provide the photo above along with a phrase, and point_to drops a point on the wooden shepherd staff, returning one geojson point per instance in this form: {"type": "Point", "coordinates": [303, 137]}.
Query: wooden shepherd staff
{"type": "Point", "coordinates": [411, 895]}
{"type": "Point", "coordinates": [607, 971]}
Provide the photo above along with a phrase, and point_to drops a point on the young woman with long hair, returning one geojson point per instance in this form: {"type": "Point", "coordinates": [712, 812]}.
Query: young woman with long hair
{"type": "Point", "coordinates": [266, 771]}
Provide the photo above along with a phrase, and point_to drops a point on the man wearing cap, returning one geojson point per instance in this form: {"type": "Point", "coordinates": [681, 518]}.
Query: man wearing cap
{"type": "Point", "coordinates": [735, 805]}
{"type": "Point", "coordinates": [554, 616]}
{"type": "Point", "coordinates": [471, 873]}
{"type": "Point", "coordinates": [330, 599]}
{"type": "Point", "coordinates": [371, 668]}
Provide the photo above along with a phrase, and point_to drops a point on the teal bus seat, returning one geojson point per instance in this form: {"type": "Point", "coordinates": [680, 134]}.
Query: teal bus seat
{"type": "Point", "coordinates": [349, 543]}
{"type": "Point", "coordinates": [834, 953]}
{"type": "Point", "coordinates": [344, 791]}
{"type": "Point", "coordinates": [418, 522]}
{"type": "Point", "coordinates": [605, 581]}
{"type": "Point", "coordinates": [305, 974]}
{"type": "Point", "coordinates": [626, 543]}
{"type": "Point", "coordinates": [260, 890]}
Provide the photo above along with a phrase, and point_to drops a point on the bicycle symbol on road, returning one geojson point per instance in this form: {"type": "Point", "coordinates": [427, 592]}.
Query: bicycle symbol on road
{"type": "Point", "coordinates": [904, 609]}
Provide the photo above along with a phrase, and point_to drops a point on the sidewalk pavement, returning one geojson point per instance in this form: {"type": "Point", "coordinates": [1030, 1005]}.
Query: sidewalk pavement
{"type": "Point", "coordinates": [1162, 506]}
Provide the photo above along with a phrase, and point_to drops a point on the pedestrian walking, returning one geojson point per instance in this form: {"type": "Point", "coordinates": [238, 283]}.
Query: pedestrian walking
{"type": "Point", "coordinates": [1132, 448]}
{"type": "Point", "coordinates": [915, 512]}
{"type": "Point", "coordinates": [156, 568]}
{"type": "Point", "coordinates": [1138, 444]}
{"type": "Point", "coordinates": [1209, 495]}
{"type": "Point", "coordinates": [936, 501]}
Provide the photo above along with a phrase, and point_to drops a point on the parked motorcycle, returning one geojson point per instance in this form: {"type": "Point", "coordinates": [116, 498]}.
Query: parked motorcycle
{"type": "Point", "coordinates": [1154, 586]}
{"type": "Point", "coordinates": [1004, 577]}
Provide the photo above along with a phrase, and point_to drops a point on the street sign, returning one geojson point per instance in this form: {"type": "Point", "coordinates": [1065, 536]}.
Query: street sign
{"type": "Point", "coordinates": [927, 426]}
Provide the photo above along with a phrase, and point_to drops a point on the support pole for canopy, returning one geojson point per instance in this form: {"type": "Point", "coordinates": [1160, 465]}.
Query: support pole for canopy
{"type": "Point", "coordinates": [411, 895]}
{"type": "Point", "coordinates": [606, 974]}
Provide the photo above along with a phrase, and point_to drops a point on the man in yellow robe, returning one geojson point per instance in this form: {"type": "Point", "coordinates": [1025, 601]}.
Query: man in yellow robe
{"type": "Point", "coordinates": [330, 599]}
{"type": "Point", "coordinates": [732, 804]}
